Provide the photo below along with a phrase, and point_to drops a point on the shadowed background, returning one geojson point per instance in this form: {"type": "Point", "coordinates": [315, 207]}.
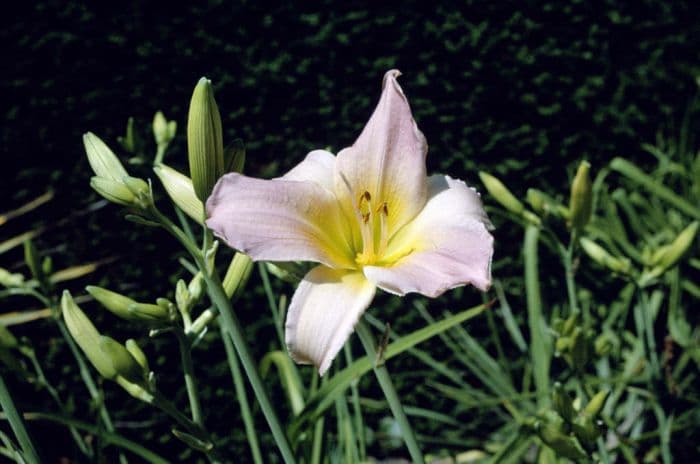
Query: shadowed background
{"type": "Point", "coordinates": [521, 89]}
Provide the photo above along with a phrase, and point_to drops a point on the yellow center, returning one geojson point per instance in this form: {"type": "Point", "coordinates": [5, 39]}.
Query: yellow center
{"type": "Point", "coordinates": [372, 221]}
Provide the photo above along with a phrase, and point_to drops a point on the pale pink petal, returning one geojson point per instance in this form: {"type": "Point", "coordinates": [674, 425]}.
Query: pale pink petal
{"type": "Point", "coordinates": [447, 245]}
{"type": "Point", "coordinates": [318, 166]}
{"type": "Point", "coordinates": [323, 313]}
{"type": "Point", "coordinates": [387, 160]}
{"type": "Point", "coordinates": [280, 220]}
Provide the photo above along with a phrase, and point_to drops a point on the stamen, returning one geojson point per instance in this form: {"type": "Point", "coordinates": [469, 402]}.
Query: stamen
{"type": "Point", "coordinates": [383, 211]}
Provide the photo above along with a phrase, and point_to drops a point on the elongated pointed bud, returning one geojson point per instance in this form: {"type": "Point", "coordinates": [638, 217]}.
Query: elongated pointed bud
{"type": "Point", "coordinates": [9, 279]}
{"type": "Point", "coordinates": [205, 145]}
{"type": "Point", "coordinates": [86, 336]}
{"type": "Point", "coordinates": [182, 296]}
{"type": "Point", "coordinates": [196, 287]}
{"type": "Point", "coordinates": [544, 204]}
{"type": "Point", "coordinates": [102, 160]}
{"type": "Point", "coordinates": [181, 191]}
{"type": "Point", "coordinates": [595, 405]}
{"type": "Point", "coordinates": [126, 308]}
{"type": "Point", "coordinates": [501, 193]}
{"type": "Point", "coordinates": [138, 354]}
{"type": "Point", "coordinates": [563, 444]}
{"type": "Point", "coordinates": [678, 247]}
{"type": "Point", "coordinates": [602, 257]}
{"type": "Point", "coordinates": [31, 257]}
{"type": "Point", "coordinates": [122, 361]}
{"type": "Point", "coordinates": [562, 403]}
{"type": "Point", "coordinates": [163, 130]}
{"type": "Point", "coordinates": [237, 274]}
{"type": "Point", "coordinates": [113, 190]}
{"type": "Point", "coordinates": [234, 157]}
{"type": "Point", "coordinates": [581, 201]}
{"type": "Point", "coordinates": [586, 430]}
{"type": "Point", "coordinates": [7, 340]}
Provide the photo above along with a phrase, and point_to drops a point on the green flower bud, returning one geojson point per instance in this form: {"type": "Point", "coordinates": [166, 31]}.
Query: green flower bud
{"type": "Point", "coordinates": [125, 307]}
{"type": "Point", "coordinates": [237, 274]}
{"type": "Point", "coordinates": [595, 405]}
{"type": "Point", "coordinates": [678, 247]}
{"type": "Point", "coordinates": [149, 312]}
{"type": "Point", "coordinates": [564, 445]}
{"type": "Point", "coordinates": [163, 130]}
{"type": "Point", "coordinates": [32, 258]}
{"type": "Point", "coordinates": [7, 340]}
{"type": "Point", "coordinates": [196, 287]}
{"type": "Point", "coordinates": [135, 350]}
{"type": "Point", "coordinates": [570, 324]}
{"type": "Point", "coordinates": [181, 191]}
{"type": "Point", "coordinates": [586, 430]}
{"type": "Point", "coordinates": [562, 403]}
{"type": "Point", "coordinates": [544, 204]}
{"type": "Point", "coordinates": [86, 336]}
{"type": "Point", "coordinates": [9, 279]}
{"type": "Point", "coordinates": [234, 156]}
{"type": "Point", "coordinates": [182, 296]}
{"type": "Point", "coordinates": [103, 161]}
{"type": "Point", "coordinates": [141, 190]}
{"type": "Point", "coordinates": [122, 361]}
{"type": "Point", "coordinates": [602, 345]}
{"type": "Point", "coordinates": [581, 201]}
{"type": "Point", "coordinates": [501, 193]}
{"type": "Point", "coordinates": [113, 190]}
{"type": "Point", "coordinates": [205, 144]}
{"type": "Point", "coordinates": [602, 257]}
{"type": "Point", "coordinates": [563, 344]}
{"type": "Point", "coordinates": [128, 142]}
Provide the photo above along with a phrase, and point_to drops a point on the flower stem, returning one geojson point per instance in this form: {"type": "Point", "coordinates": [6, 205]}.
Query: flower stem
{"type": "Point", "coordinates": [232, 326]}
{"type": "Point", "coordinates": [190, 380]}
{"type": "Point", "coordinates": [382, 374]}
{"type": "Point", "coordinates": [242, 398]}
{"type": "Point", "coordinates": [538, 335]}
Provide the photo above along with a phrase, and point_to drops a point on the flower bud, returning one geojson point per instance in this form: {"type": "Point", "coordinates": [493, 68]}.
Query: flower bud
{"type": "Point", "coordinates": [678, 247]}
{"type": "Point", "coordinates": [562, 403]}
{"type": "Point", "coordinates": [141, 190]}
{"type": "Point", "coordinates": [586, 430]}
{"type": "Point", "coordinates": [563, 444]}
{"type": "Point", "coordinates": [234, 156]}
{"type": "Point", "coordinates": [196, 287]}
{"type": "Point", "coordinates": [237, 274]}
{"type": "Point", "coordinates": [163, 130]}
{"type": "Point", "coordinates": [182, 296]}
{"type": "Point", "coordinates": [602, 257]}
{"type": "Point", "coordinates": [205, 144]}
{"type": "Point", "coordinates": [581, 201]}
{"type": "Point", "coordinates": [31, 257]}
{"type": "Point", "coordinates": [128, 142]}
{"type": "Point", "coordinates": [122, 361]}
{"type": "Point", "coordinates": [103, 161]}
{"type": "Point", "coordinates": [86, 336]}
{"type": "Point", "coordinates": [148, 312]}
{"type": "Point", "coordinates": [112, 190]}
{"type": "Point", "coordinates": [9, 279]}
{"type": "Point", "coordinates": [125, 307]}
{"type": "Point", "coordinates": [181, 191]}
{"type": "Point", "coordinates": [7, 340]}
{"type": "Point", "coordinates": [501, 193]}
{"type": "Point", "coordinates": [580, 349]}
{"type": "Point", "coordinates": [135, 350]}
{"type": "Point", "coordinates": [595, 405]}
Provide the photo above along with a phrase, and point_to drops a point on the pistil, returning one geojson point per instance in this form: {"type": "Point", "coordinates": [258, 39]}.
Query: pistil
{"type": "Point", "coordinates": [368, 226]}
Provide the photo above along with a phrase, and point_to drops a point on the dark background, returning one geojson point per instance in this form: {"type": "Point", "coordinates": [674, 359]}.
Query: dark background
{"type": "Point", "coordinates": [523, 90]}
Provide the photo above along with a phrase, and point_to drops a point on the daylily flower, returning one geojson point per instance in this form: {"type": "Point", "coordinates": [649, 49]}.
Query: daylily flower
{"type": "Point", "coordinates": [370, 216]}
